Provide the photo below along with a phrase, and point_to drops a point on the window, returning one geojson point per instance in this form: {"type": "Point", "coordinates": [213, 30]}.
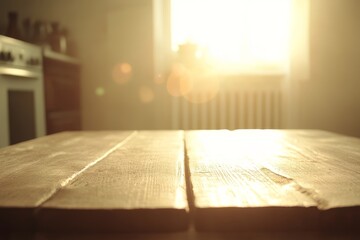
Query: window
{"type": "Point", "coordinates": [235, 36]}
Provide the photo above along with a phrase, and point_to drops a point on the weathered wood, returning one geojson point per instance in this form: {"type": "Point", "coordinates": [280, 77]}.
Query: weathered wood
{"type": "Point", "coordinates": [33, 171]}
{"type": "Point", "coordinates": [123, 181]}
{"type": "Point", "coordinates": [274, 180]}
{"type": "Point", "coordinates": [140, 187]}
{"type": "Point", "coordinates": [328, 172]}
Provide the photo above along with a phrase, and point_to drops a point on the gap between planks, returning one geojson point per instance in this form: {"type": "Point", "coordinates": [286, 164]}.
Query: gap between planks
{"type": "Point", "coordinates": [72, 178]}
{"type": "Point", "coordinates": [189, 187]}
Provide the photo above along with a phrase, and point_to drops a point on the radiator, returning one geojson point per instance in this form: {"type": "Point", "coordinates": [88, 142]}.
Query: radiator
{"type": "Point", "coordinates": [230, 110]}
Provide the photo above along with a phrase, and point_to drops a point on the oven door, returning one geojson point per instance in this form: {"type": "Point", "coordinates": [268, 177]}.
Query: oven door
{"type": "Point", "coordinates": [21, 105]}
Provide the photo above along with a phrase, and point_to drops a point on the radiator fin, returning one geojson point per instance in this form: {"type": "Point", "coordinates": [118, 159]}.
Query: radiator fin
{"type": "Point", "coordinates": [229, 110]}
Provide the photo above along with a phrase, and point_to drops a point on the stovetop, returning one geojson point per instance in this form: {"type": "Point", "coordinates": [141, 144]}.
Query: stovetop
{"type": "Point", "coordinates": [19, 54]}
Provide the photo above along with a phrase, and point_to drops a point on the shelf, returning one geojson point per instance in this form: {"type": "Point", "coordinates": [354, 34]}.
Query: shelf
{"type": "Point", "coordinates": [59, 56]}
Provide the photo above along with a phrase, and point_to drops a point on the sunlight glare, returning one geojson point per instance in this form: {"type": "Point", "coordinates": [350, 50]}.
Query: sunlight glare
{"type": "Point", "coordinates": [238, 34]}
{"type": "Point", "coordinates": [270, 142]}
{"type": "Point", "coordinates": [241, 151]}
{"type": "Point", "coordinates": [241, 147]}
{"type": "Point", "coordinates": [122, 73]}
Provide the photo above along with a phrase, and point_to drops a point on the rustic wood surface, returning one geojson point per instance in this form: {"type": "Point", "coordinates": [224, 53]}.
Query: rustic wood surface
{"type": "Point", "coordinates": [139, 187]}
{"type": "Point", "coordinates": [274, 180]}
{"type": "Point", "coordinates": [258, 183]}
{"type": "Point", "coordinates": [32, 172]}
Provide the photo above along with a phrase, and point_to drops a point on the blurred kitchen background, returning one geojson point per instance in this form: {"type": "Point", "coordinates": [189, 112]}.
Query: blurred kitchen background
{"type": "Point", "coordinates": [161, 64]}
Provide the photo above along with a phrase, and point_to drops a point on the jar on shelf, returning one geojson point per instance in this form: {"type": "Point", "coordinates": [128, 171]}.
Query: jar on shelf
{"type": "Point", "coordinates": [40, 34]}
{"type": "Point", "coordinates": [13, 29]}
{"type": "Point", "coordinates": [57, 38]}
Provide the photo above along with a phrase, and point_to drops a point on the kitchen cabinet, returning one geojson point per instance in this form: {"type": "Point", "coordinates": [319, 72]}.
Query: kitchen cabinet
{"type": "Point", "coordinates": [62, 92]}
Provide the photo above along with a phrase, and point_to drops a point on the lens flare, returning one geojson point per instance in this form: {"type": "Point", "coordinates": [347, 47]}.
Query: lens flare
{"type": "Point", "coordinates": [179, 82]}
{"type": "Point", "coordinates": [122, 73]}
{"type": "Point", "coordinates": [197, 84]}
{"type": "Point", "coordinates": [205, 87]}
{"type": "Point", "coordinates": [146, 94]}
{"type": "Point", "coordinates": [99, 91]}
{"type": "Point", "coordinates": [159, 79]}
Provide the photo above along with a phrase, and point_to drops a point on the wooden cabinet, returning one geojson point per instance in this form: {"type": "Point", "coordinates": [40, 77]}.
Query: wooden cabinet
{"type": "Point", "coordinates": [62, 93]}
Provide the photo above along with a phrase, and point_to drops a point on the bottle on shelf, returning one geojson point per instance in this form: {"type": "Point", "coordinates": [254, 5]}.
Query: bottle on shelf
{"type": "Point", "coordinates": [13, 29]}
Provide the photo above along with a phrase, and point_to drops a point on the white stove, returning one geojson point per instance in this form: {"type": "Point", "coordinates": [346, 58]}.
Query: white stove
{"type": "Point", "coordinates": [22, 114]}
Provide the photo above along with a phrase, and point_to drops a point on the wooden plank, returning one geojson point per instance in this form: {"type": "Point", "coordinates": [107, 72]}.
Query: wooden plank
{"type": "Point", "coordinates": [274, 180]}
{"type": "Point", "coordinates": [331, 166]}
{"type": "Point", "coordinates": [33, 171]}
{"type": "Point", "coordinates": [140, 187]}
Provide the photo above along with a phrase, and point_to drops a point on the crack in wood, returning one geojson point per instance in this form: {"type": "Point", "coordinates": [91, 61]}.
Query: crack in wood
{"type": "Point", "coordinates": [277, 178]}
{"type": "Point", "coordinates": [73, 177]}
{"type": "Point", "coordinates": [321, 203]}
{"type": "Point", "coordinates": [189, 187]}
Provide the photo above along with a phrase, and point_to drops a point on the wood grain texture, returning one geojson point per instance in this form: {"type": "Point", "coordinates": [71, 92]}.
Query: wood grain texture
{"type": "Point", "coordinates": [140, 187]}
{"type": "Point", "coordinates": [33, 171]}
{"type": "Point", "coordinates": [274, 180]}
{"type": "Point", "coordinates": [246, 180]}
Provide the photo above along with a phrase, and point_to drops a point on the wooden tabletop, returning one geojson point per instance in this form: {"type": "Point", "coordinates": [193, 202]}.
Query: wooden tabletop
{"type": "Point", "coordinates": [182, 184]}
